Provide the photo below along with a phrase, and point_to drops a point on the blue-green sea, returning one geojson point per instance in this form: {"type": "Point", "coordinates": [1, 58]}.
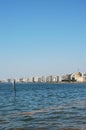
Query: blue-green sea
{"type": "Point", "coordinates": [37, 106]}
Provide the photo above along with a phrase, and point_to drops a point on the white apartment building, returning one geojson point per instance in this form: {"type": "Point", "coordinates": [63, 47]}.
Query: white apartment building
{"type": "Point", "coordinates": [35, 79]}
{"type": "Point", "coordinates": [52, 78]}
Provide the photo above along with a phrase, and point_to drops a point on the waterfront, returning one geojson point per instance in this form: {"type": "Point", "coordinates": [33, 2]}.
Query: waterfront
{"type": "Point", "coordinates": [43, 106]}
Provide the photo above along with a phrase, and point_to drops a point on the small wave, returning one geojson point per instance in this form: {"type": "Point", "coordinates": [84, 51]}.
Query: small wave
{"type": "Point", "coordinates": [71, 129]}
{"type": "Point", "coordinates": [56, 109]}
{"type": "Point", "coordinates": [4, 121]}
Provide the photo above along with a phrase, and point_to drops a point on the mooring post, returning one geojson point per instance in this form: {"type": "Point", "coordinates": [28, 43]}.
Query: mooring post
{"type": "Point", "coordinates": [14, 85]}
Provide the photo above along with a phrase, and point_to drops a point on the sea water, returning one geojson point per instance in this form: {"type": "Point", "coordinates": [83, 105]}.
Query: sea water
{"type": "Point", "coordinates": [37, 106]}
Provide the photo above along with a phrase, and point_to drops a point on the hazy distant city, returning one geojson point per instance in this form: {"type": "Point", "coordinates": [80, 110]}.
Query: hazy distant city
{"type": "Point", "coordinates": [74, 77]}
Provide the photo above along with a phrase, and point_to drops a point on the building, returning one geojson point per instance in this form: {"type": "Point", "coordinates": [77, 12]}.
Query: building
{"type": "Point", "coordinates": [82, 78]}
{"type": "Point", "coordinates": [52, 79]}
{"type": "Point", "coordinates": [40, 79]}
{"type": "Point", "coordinates": [43, 79]}
{"type": "Point", "coordinates": [77, 75]}
{"type": "Point", "coordinates": [17, 80]}
{"type": "Point", "coordinates": [66, 78]}
{"type": "Point", "coordinates": [35, 79]}
{"type": "Point", "coordinates": [55, 79]}
{"type": "Point", "coordinates": [49, 79]}
{"type": "Point", "coordinates": [21, 80]}
{"type": "Point", "coordinates": [9, 80]}
{"type": "Point", "coordinates": [30, 79]}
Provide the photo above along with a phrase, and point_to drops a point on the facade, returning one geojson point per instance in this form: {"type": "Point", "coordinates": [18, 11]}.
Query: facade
{"type": "Point", "coordinates": [55, 79]}
{"type": "Point", "coordinates": [21, 80]}
{"type": "Point", "coordinates": [17, 80]}
{"type": "Point", "coordinates": [73, 77]}
{"type": "Point", "coordinates": [9, 80]}
{"type": "Point", "coordinates": [49, 79]}
{"type": "Point", "coordinates": [35, 79]}
{"type": "Point", "coordinates": [52, 79]}
{"type": "Point", "coordinates": [82, 78]}
{"type": "Point", "coordinates": [30, 79]}
{"type": "Point", "coordinates": [39, 79]}
{"type": "Point", "coordinates": [77, 75]}
{"type": "Point", "coordinates": [43, 79]}
{"type": "Point", "coordinates": [25, 80]}
{"type": "Point", "coordinates": [66, 78]}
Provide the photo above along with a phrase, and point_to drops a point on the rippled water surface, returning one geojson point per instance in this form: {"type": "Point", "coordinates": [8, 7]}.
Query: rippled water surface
{"type": "Point", "coordinates": [43, 107]}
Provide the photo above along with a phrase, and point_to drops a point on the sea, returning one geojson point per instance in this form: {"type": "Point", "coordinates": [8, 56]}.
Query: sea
{"type": "Point", "coordinates": [43, 106]}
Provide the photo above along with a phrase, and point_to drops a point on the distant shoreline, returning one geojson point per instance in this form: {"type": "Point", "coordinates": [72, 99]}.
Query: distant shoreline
{"type": "Point", "coordinates": [44, 83]}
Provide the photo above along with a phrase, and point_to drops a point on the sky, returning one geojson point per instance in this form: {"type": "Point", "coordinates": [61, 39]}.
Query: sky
{"type": "Point", "coordinates": [42, 37]}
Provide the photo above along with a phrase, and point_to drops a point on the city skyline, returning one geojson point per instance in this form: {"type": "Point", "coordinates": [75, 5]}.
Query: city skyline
{"type": "Point", "coordinates": [77, 77]}
{"type": "Point", "coordinates": [42, 37]}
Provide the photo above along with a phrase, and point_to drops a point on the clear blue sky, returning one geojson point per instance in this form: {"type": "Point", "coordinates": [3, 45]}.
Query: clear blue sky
{"type": "Point", "coordinates": [42, 37]}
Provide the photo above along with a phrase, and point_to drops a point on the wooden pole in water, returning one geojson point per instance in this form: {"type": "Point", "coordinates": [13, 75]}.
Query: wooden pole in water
{"type": "Point", "coordinates": [14, 85]}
